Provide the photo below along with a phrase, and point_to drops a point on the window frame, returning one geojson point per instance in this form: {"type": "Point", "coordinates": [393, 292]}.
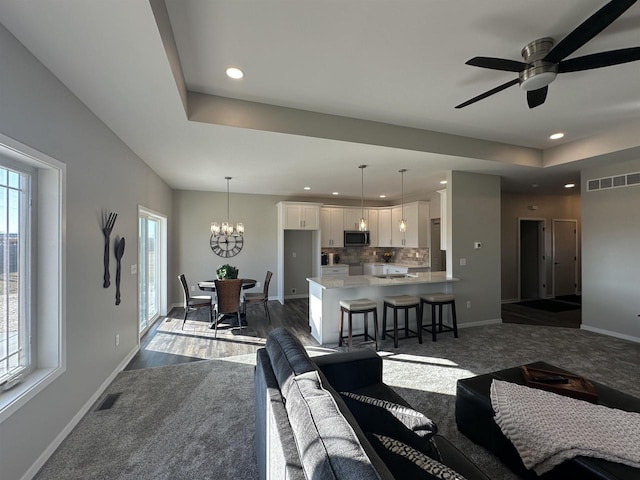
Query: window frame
{"type": "Point", "coordinates": [48, 272]}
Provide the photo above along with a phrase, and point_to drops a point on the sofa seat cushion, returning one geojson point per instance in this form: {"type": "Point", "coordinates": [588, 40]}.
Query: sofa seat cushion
{"type": "Point", "coordinates": [407, 462]}
{"type": "Point", "coordinates": [327, 444]}
{"type": "Point", "coordinates": [288, 357]}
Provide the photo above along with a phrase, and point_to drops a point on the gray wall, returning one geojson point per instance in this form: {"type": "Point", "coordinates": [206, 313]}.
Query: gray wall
{"type": "Point", "coordinates": [297, 269]}
{"type": "Point", "coordinates": [611, 254]}
{"type": "Point", "coordinates": [37, 110]}
{"type": "Point", "coordinates": [474, 206]}
{"type": "Point", "coordinates": [194, 211]}
{"type": "Point", "coordinates": [515, 206]}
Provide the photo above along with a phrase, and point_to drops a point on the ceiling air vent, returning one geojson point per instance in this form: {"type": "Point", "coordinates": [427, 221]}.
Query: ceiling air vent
{"type": "Point", "coordinates": [605, 183]}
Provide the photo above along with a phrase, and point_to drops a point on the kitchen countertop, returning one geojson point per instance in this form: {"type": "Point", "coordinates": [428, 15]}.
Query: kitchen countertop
{"type": "Point", "coordinates": [356, 281]}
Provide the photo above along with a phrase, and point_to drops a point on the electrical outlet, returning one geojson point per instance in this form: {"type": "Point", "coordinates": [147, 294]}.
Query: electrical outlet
{"type": "Point", "coordinates": [293, 290]}
{"type": "Point", "coordinates": [417, 255]}
{"type": "Point", "coordinates": [257, 284]}
{"type": "Point", "coordinates": [134, 269]}
{"type": "Point", "coordinates": [294, 255]}
{"type": "Point", "coordinates": [117, 339]}
{"type": "Point", "coordinates": [193, 288]}
{"type": "Point", "coordinates": [468, 303]}
{"type": "Point", "coordinates": [463, 262]}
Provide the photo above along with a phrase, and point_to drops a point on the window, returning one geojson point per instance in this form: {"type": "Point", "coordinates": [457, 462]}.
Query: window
{"type": "Point", "coordinates": [15, 307]}
{"type": "Point", "coordinates": [32, 273]}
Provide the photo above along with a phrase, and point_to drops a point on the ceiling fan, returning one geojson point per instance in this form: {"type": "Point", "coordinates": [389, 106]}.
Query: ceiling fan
{"type": "Point", "coordinates": [543, 61]}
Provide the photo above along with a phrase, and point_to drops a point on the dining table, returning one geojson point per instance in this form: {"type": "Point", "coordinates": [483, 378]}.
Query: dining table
{"type": "Point", "coordinates": [210, 286]}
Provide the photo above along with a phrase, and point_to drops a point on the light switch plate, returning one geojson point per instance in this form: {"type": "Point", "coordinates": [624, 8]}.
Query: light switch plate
{"type": "Point", "coordinates": [134, 269]}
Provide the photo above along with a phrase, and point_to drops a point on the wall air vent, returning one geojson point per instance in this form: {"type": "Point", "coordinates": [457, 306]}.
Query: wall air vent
{"type": "Point", "coordinates": [605, 183]}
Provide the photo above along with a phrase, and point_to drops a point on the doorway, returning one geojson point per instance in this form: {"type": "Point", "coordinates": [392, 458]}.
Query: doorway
{"type": "Point", "coordinates": [438, 256]}
{"type": "Point", "coordinates": [565, 257]}
{"type": "Point", "coordinates": [531, 259]}
{"type": "Point", "coordinates": [152, 268]}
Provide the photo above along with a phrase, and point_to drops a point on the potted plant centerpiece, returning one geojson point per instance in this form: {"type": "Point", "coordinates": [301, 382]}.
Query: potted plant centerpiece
{"type": "Point", "coordinates": [226, 272]}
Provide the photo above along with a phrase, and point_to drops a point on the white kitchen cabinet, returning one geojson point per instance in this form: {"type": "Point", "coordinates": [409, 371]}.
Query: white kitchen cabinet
{"type": "Point", "coordinates": [389, 269]}
{"type": "Point", "coordinates": [352, 218]}
{"type": "Point", "coordinates": [300, 216]}
{"type": "Point", "coordinates": [331, 227]}
{"type": "Point", "coordinates": [373, 268]}
{"type": "Point", "coordinates": [334, 270]}
{"type": "Point", "coordinates": [384, 228]}
{"type": "Point", "coordinates": [416, 215]}
{"type": "Point", "coordinates": [372, 226]}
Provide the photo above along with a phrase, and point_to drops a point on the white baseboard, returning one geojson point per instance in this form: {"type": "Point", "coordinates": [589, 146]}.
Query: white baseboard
{"type": "Point", "coordinates": [37, 465]}
{"type": "Point", "coordinates": [610, 333]}
{"type": "Point", "coordinates": [480, 323]}
{"type": "Point", "coordinates": [297, 295]}
{"type": "Point", "coordinates": [510, 300]}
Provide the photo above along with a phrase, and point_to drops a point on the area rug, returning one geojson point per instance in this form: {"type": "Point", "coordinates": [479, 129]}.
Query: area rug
{"type": "Point", "coordinates": [196, 420]}
{"type": "Point", "coordinates": [550, 305]}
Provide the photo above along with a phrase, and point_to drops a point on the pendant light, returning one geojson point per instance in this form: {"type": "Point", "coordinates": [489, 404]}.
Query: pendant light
{"type": "Point", "coordinates": [227, 228]}
{"type": "Point", "coordinates": [403, 221]}
{"type": "Point", "coordinates": [362, 226]}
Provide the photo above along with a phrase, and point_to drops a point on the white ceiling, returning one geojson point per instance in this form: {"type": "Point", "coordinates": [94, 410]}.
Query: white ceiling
{"type": "Point", "coordinates": [390, 61]}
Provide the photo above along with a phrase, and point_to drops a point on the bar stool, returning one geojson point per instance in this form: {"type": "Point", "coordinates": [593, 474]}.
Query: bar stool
{"type": "Point", "coordinates": [439, 300]}
{"type": "Point", "coordinates": [401, 302]}
{"type": "Point", "coordinates": [359, 305]}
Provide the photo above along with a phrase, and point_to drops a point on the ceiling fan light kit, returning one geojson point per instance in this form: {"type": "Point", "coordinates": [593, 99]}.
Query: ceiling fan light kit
{"type": "Point", "coordinates": [543, 60]}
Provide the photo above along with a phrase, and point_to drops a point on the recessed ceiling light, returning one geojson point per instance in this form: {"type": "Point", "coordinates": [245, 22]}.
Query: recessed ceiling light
{"type": "Point", "coordinates": [443, 182]}
{"type": "Point", "coordinates": [383, 196]}
{"type": "Point", "coordinates": [235, 73]}
{"type": "Point", "coordinates": [534, 185]}
{"type": "Point", "coordinates": [556, 136]}
{"type": "Point", "coordinates": [335, 193]}
{"type": "Point", "coordinates": [569, 185]}
{"type": "Point", "coordinates": [307, 188]}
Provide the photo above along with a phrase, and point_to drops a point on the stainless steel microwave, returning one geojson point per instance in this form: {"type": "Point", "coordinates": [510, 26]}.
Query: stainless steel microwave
{"type": "Point", "coordinates": [356, 238]}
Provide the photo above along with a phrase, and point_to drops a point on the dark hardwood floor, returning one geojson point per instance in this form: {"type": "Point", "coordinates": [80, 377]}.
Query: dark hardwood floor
{"type": "Point", "coordinates": [166, 343]}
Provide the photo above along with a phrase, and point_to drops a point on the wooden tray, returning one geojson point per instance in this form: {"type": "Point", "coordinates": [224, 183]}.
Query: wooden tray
{"type": "Point", "coordinates": [577, 386]}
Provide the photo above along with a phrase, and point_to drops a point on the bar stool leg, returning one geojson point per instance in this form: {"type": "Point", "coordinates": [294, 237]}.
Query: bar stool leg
{"type": "Point", "coordinates": [375, 326]}
{"type": "Point", "coordinates": [440, 308]}
{"type": "Point", "coordinates": [433, 322]}
{"type": "Point", "coordinates": [340, 326]}
{"type": "Point", "coordinates": [395, 328]}
{"type": "Point", "coordinates": [366, 326]}
{"type": "Point", "coordinates": [350, 339]}
{"type": "Point", "coordinates": [455, 320]}
{"type": "Point", "coordinates": [419, 322]}
{"type": "Point", "coordinates": [384, 320]}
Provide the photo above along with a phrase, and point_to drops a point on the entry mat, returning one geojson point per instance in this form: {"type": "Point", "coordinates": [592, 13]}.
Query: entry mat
{"type": "Point", "coordinates": [551, 305]}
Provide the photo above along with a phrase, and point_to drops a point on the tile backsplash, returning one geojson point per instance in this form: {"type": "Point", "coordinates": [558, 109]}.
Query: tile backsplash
{"type": "Point", "coordinates": [407, 256]}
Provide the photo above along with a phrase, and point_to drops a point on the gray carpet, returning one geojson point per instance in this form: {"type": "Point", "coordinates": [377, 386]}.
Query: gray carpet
{"type": "Point", "coordinates": [195, 421]}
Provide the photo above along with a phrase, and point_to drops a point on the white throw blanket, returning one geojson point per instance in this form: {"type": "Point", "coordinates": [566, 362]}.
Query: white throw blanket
{"type": "Point", "coordinates": [547, 428]}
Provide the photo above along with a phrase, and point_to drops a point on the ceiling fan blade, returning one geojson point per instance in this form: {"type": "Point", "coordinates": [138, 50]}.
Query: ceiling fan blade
{"type": "Point", "coordinates": [488, 93]}
{"type": "Point", "coordinates": [588, 29]}
{"type": "Point", "coordinates": [497, 64]}
{"type": "Point", "coordinates": [537, 97]}
{"type": "Point", "coordinates": [598, 60]}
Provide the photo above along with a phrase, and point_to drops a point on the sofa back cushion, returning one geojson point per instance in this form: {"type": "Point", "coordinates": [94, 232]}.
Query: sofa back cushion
{"type": "Point", "coordinates": [327, 444]}
{"type": "Point", "coordinates": [288, 357]}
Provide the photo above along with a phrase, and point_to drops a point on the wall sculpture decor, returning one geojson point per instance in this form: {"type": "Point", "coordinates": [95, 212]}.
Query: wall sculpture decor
{"type": "Point", "coordinates": [108, 220]}
{"type": "Point", "coordinates": [119, 249]}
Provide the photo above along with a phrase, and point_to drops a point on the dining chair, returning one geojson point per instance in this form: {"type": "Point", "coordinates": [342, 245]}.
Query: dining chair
{"type": "Point", "coordinates": [228, 294]}
{"type": "Point", "coordinates": [262, 298]}
{"type": "Point", "coordinates": [194, 302]}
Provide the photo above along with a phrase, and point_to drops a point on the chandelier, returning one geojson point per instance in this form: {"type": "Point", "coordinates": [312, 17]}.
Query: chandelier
{"type": "Point", "coordinates": [227, 228]}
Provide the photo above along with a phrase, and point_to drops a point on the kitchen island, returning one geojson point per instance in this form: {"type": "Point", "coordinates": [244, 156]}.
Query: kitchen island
{"type": "Point", "coordinates": [325, 294]}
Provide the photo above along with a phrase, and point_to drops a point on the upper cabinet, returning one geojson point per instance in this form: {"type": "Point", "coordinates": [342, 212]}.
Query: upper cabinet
{"type": "Point", "coordinates": [300, 216]}
{"type": "Point", "coordinates": [352, 218]}
{"type": "Point", "coordinates": [384, 228]}
{"type": "Point", "coordinates": [372, 226]}
{"type": "Point", "coordinates": [416, 215]}
{"type": "Point", "coordinates": [331, 227]}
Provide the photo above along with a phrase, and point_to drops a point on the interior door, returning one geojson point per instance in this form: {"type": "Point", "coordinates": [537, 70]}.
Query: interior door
{"type": "Point", "coordinates": [531, 259]}
{"type": "Point", "coordinates": [564, 257]}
